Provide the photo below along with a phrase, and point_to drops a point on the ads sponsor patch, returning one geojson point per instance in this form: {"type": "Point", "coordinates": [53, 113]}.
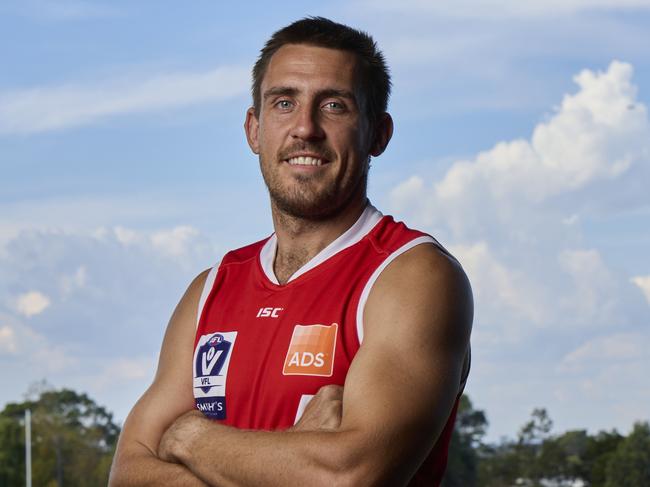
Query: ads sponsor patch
{"type": "Point", "coordinates": [311, 350]}
{"type": "Point", "coordinates": [211, 360]}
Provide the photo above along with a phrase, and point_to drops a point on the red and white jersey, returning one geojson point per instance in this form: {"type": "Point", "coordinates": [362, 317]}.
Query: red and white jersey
{"type": "Point", "coordinates": [262, 349]}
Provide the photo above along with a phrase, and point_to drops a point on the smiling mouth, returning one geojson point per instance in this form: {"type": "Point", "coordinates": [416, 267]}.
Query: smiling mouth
{"type": "Point", "coordinates": [305, 161]}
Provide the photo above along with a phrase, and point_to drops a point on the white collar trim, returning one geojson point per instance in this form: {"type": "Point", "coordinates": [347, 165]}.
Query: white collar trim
{"type": "Point", "coordinates": [366, 222]}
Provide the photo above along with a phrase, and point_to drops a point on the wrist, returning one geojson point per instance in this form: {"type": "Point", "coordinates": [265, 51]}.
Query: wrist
{"type": "Point", "coordinates": [189, 435]}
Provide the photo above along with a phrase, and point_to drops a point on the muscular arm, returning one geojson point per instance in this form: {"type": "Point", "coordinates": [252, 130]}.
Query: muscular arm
{"type": "Point", "coordinates": [397, 397]}
{"type": "Point", "coordinates": [136, 462]}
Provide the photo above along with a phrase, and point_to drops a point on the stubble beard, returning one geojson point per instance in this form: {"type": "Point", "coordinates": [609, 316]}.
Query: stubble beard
{"type": "Point", "coordinates": [306, 200]}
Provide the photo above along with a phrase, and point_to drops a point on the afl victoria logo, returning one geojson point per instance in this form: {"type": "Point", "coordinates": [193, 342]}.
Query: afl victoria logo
{"type": "Point", "coordinates": [211, 360]}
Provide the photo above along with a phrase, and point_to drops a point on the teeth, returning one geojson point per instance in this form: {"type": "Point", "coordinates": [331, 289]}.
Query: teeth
{"type": "Point", "coordinates": [305, 161]}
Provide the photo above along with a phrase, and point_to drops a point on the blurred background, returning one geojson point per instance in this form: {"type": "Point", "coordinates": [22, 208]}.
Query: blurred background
{"type": "Point", "coordinates": [522, 143]}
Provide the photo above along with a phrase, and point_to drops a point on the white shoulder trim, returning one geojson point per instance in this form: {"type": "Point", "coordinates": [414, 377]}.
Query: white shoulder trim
{"type": "Point", "coordinates": [366, 222]}
{"type": "Point", "coordinates": [375, 275]}
{"type": "Point", "coordinates": [207, 287]}
{"type": "Point", "coordinates": [267, 258]}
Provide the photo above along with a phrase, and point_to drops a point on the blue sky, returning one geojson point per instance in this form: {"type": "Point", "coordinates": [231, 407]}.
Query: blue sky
{"type": "Point", "coordinates": [522, 142]}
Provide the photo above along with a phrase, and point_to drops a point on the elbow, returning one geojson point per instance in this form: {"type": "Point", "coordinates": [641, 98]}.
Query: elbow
{"type": "Point", "coordinates": [118, 476]}
{"type": "Point", "coordinates": [352, 476]}
{"type": "Point", "coordinates": [351, 466]}
{"type": "Point", "coordinates": [339, 477]}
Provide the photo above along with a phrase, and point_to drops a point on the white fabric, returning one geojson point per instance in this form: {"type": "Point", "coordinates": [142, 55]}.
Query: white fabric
{"type": "Point", "coordinates": [304, 400]}
{"type": "Point", "coordinates": [207, 287]}
{"type": "Point", "coordinates": [366, 222]}
{"type": "Point", "coordinates": [375, 275]}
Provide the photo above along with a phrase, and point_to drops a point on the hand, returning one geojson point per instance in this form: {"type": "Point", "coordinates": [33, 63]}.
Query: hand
{"type": "Point", "coordinates": [324, 410]}
{"type": "Point", "coordinates": [175, 439]}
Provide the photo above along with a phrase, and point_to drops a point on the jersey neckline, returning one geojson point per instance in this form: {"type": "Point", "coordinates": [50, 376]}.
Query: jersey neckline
{"type": "Point", "coordinates": [366, 222]}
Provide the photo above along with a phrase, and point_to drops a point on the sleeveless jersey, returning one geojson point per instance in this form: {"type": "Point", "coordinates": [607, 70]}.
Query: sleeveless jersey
{"type": "Point", "coordinates": [262, 350]}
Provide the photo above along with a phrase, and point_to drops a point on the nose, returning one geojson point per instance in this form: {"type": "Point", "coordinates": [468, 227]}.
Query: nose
{"type": "Point", "coordinates": [307, 124]}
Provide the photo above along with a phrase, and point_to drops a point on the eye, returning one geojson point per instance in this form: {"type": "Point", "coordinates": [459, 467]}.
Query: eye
{"type": "Point", "coordinates": [334, 106]}
{"type": "Point", "coordinates": [284, 104]}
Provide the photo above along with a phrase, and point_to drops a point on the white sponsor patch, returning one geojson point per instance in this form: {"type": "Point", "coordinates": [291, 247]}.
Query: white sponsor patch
{"type": "Point", "coordinates": [210, 368]}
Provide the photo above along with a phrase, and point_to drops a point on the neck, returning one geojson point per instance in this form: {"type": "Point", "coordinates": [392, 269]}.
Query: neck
{"type": "Point", "coordinates": [300, 239]}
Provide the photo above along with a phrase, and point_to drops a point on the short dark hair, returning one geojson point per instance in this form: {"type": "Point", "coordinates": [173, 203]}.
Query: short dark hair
{"type": "Point", "coordinates": [322, 32]}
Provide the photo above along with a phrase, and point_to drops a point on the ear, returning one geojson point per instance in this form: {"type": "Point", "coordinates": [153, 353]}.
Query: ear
{"type": "Point", "coordinates": [252, 128]}
{"type": "Point", "coordinates": [383, 134]}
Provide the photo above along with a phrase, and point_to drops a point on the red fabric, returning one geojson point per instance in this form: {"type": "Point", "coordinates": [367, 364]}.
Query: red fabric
{"type": "Point", "coordinates": [258, 395]}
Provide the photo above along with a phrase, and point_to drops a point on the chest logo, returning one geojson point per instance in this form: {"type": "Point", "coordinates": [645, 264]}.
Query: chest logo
{"type": "Point", "coordinates": [311, 351]}
{"type": "Point", "coordinates": [211, 360]}
{"type": "Point", "coordinates": [269, 312]}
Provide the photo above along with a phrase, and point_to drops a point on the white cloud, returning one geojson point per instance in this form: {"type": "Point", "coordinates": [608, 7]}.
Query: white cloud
{"type": "Point", "coordinates": [71, 282]}
{"type": "Point", "coordinates": [545, 293]}
{"type": "Point", "coordinates": [500, 9]}
{"type": "Point", "coordinates": [122, 370]}
{"type": "Point", "coordinates": [616, 347]}
{"type": "Point", "coordinates": [175, 242]}
{"type": "Point", "coordinates": [58, 107]}
{"type": "Point", "coordinates": [179, 243]}
{"type": "Point", "coordinates": [595, 294]}
{"type": "Point", "coordinates": [498, 290]}
{"type": "Point", "coordinates": [7, 339]}
{"type": "Point", "coordinates": [406, 194]}
{"type": "Point", "coordinates": [27, 350]}
{"type": "Point", "coordinates": [595, 134]}
{"type": "Point", "coordinates": [610, 372]}
{"type": "Point", "coordinates": [114, 289]}
{"type": "Point", "coordinates": [514, 213]}
{"type": "Point", "coordinates": [111, 293]}
{"type": "Point", "coordinates": [32, 303]}
{"type": "Point", "coordinates": [644, 284]}
{"type": "Point", "coordinates": [595, 137]}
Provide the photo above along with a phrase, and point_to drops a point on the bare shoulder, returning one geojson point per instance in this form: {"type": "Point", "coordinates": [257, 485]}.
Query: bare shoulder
{"type": "Point", "coordinates": [170, 394]}
{"type": "Point", "coordinates": [427, 288]}
{"type": "Point", "coordinates": [179, 336]}
{"type": "Point", "coordinates": [416, 327]}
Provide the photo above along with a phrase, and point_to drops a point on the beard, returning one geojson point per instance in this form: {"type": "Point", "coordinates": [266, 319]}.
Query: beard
{"type": "Point", "coordinates": [308, 198]}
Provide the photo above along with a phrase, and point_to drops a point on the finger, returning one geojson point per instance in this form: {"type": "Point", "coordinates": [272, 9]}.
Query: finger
{"type": "Point", "coordinates": [331, 417]}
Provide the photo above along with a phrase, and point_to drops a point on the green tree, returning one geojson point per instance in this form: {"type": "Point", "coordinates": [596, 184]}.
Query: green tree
{"type": "Point", "coordinates": [469, 430]}
{"type": "Point", "coordinates": [531, 438]}
{"type": "Point", "coordinates": [537, 429]}
{"type": "Point", "coordinates": [600, 449]}
{"type": "Point", "coordinates": [517, 462]}
{"type": "Point", "coordinates": [629, 465]}
{"type": "Point", "coordinates": [73, 440]}
{"type": "Point", "coordinates": [499, 465]}
{"type": "Point", "coordinates": [12, 451]}
{"type": "Point", "coordinates": [562, 458]}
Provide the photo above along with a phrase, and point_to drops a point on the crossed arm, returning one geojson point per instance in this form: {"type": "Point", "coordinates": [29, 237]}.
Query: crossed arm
{"type": "Point", "coordinates": [397, 397]}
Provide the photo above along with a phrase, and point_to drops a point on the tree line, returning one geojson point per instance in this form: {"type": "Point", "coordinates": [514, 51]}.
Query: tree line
{"type": "Point", "coordinates": [74, 439]}
{"type": "Point", "coordinates": [537, 458]}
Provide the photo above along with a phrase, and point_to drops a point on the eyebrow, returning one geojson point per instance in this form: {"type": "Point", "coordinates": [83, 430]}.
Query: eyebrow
{"type": "Point", "coordinates": [280, 90]}
{"type": "Point", "coordinates": [288, 91]}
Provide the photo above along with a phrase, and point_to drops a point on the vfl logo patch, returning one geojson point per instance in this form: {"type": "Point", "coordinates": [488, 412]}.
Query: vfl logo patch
{"type": "Point", "coordinates": [211, 359]}
{"type": "Point", "coordinates": [311, 351]}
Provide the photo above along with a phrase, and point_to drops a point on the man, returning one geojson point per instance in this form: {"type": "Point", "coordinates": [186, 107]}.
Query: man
{"type": "Point", "coordinates": [334, 352]}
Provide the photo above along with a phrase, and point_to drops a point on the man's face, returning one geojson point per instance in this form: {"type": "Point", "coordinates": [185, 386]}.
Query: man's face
{"type": "Point", "coordinates": [312, 135]}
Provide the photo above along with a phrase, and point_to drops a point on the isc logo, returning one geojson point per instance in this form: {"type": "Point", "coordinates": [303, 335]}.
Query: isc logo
{"type": "Point", "coordinates": [269, 312]}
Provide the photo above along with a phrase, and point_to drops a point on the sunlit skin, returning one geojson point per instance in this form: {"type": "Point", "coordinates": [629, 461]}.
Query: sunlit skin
{"type": "Point", "coordinates": [311, 106]}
